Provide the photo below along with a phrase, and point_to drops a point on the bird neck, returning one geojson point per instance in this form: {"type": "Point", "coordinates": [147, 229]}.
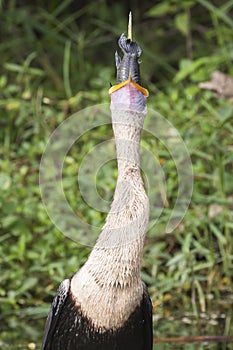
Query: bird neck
{"type": "Point", "coordinates": [127, 138]}
{"type": "Point", "coordinates": [126, 224]}
{"type": "Point", "coordinates": [112, 271]}
{"type": "Point", "coordinates": [116, 256]}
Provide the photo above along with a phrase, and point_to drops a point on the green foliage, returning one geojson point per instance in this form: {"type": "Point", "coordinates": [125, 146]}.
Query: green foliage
{"type": "Point", "coordinates": [57, 58]}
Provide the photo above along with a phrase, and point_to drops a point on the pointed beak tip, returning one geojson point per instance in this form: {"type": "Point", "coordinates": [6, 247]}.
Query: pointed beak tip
{"type": "Point", "coordinates": [130, 26]}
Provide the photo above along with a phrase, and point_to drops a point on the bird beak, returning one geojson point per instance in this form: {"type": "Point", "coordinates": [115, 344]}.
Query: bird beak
{"type": "Point", "coordinates": [129, 80]}
{"type": "Point", "coordinates": [130, 36]}
{"type": "Point", "coordinates": [126, 82]}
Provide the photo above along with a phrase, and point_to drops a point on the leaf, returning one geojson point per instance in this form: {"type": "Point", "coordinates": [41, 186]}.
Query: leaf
{"type": "Point", "coordinates": [218, 12]}
{"type": "Point", "coordinates": [177, 258]}
{"type": "Point", "coordinates": [13, 67]}
{"type": "Point", "coordinates": [201, 296]}
{"type": "Point", "coordinates": [28, 283]}
{"type": "Point", "coordinates": [9, 220]}
{"type": "Point", "coordinates": [161, 9]}
{"type": "Point", "coordinates": [182, 23]}
{"type": "Point", "coordinates": [218, 233]}
{"type": "Point", "coordinates": [187, 67]}
{"type": "Point", "coordinates": [187, 243]}
{"type": "Point", "coordinates": [5, 181]}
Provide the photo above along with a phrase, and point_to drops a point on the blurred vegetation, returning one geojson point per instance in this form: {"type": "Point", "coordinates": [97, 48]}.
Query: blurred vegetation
{"type": "Point", "coordinates": [57, 57]}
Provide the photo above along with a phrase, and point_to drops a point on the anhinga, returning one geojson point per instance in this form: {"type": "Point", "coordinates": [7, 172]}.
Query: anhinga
{"type": "Point", "coordinates": [105, 305]}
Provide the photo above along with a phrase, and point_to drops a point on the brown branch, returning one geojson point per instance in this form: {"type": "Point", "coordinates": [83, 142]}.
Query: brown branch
{"type": "Point", "coordinates": [221, 83]}
{"type": "Point", "coordinates": [199, 339]}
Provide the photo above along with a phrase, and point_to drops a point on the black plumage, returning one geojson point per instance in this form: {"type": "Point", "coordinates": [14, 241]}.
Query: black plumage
{"type": "Point", "coordinates": [67, 329]}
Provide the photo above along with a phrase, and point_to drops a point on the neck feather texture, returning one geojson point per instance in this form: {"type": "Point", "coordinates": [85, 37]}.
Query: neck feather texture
{"type": "Point", "coordinates": [114, 263]}
{"type": "Point", "coordinates": [126, 223]}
